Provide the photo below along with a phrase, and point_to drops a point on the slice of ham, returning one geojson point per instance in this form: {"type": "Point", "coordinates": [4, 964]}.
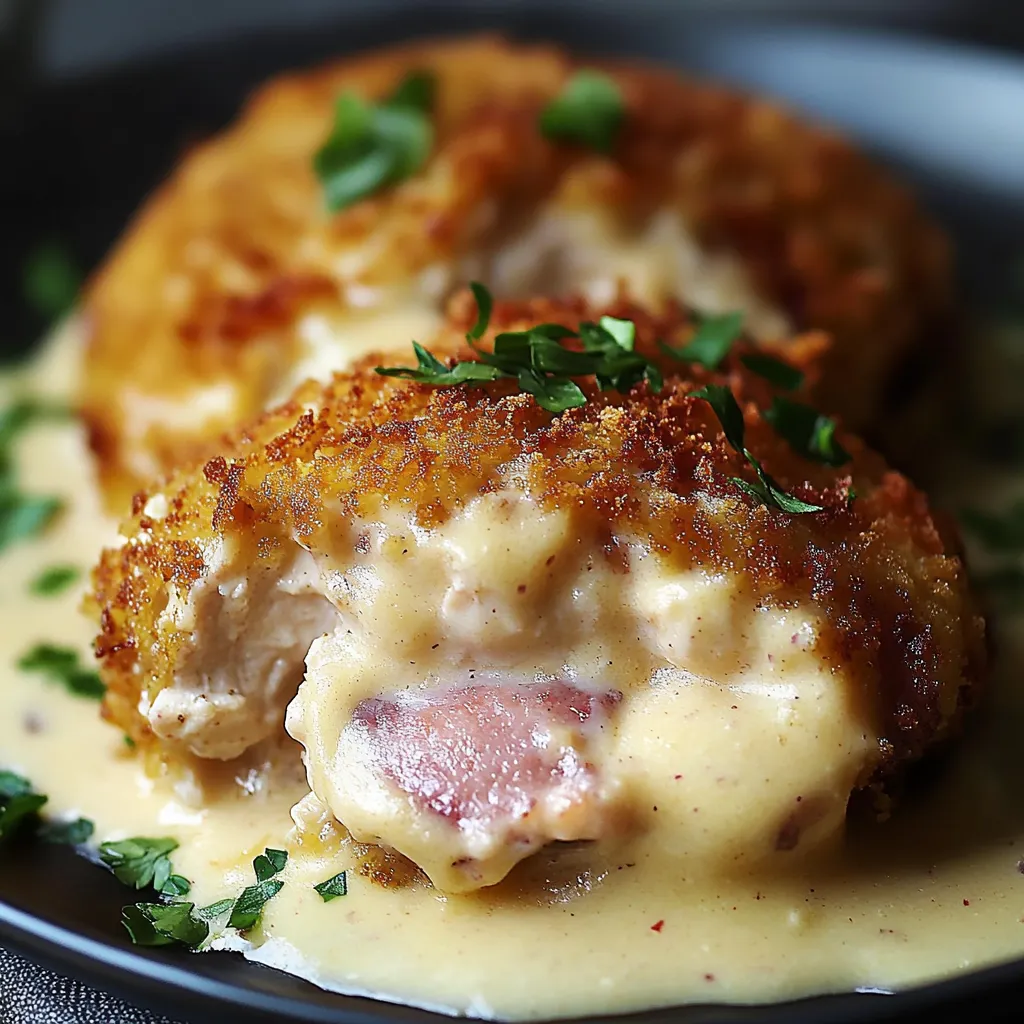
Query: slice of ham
{"type": "Point", "coordinates": [490, 771]}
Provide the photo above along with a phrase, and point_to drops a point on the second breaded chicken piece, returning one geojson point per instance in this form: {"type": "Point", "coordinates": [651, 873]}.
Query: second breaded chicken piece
{"type": "Point", "coordinates": [479, 614]}
{"type": "Point", "coordinates": [236, 281]}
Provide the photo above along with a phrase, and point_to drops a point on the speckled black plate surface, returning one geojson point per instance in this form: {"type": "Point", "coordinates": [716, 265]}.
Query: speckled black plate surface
{"type": "Point", "coordinates": [76, 159]}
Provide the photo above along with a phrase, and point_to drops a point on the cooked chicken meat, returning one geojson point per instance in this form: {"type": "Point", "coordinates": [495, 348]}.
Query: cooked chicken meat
{"type": "Point", "coordinates": [236, 282]}
{"type": "Point", "coordinates": [479, 615]}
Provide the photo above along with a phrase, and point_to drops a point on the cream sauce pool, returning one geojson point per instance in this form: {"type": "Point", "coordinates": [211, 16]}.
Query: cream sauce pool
{"type": "Point", "coordinates": [934, 891]}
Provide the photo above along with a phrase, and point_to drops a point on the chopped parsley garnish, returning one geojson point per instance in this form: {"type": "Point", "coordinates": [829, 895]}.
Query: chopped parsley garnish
{"type": "Point", "coordinates": [415, 92]}
{"type": "Point", "coordinates": [71, 833]}
{"type": "Point", "coordinates": [373, 145]}
{"type": "Point", "coordinates": [543, 366]}
{"type": "Point", "coordinates": [164, 924]}
{"type": "Point", "coordinates": [430, 370]}
{"type": "Point", "coordinates": [176, 885]}
{"type": "Point", "coordinates": [588, 111]}
{"type": "Point", "coordinates": [215, 910]}
{"type": "Point", "coordinates": [766, 489]}
{"type": "Point", "coordinates": [61, 665]}
{"type": "Point", "coordinates": [140, 862]}
{"type": "Point", "coordinates": [23, 413]}
{"type": "Point", "coordinates": [333, 887]}
{"type": "Point", "coordinates": [538, 360]}
{"type": "Point", "coordinates": [808, 432]}
{"type": "Point", "coordinates": [51, 281]}
{"type": "Point", "coordinates": [18, 802]}
{"type": "Point", "coordinates": [775, 371]}
{"type": "Point", "coordinates": [712, 341]}
{"type": "Point", "coordinates": [54, 580]}
{"type": "Point", "coordinates": [269, 863]}
{"type": "Point", "coordinates": [997, 531]}
{"type": "Point", "coordinates": [22, 515]}
{"type": "Point", "coordinates": [248, 908]}
{"type": "Point", "coordinates": [484, 306]}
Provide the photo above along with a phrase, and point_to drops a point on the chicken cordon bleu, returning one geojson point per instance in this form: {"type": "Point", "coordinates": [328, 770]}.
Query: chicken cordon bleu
{"type": "Point", "coordinates": [348, 203]}
{"type": "Point", "coordinates": [480, 600]}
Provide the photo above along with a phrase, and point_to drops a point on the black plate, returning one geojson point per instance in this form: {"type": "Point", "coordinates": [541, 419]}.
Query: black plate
{"type": "Point", "coordinates": [78, 158]}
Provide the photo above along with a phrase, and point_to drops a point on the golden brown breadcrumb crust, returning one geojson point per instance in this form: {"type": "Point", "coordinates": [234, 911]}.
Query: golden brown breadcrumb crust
{"type": "Point", "coordinates": [197, 307]}
{"type": "Point", "coordinates": [890, 586]}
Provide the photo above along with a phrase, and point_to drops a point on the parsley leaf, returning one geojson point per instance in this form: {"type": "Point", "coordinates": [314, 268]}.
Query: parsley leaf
{"type": "Point", "coordinates": [775, 371]}
{"type": "Point", "coordinates": [766, 489]}
{"type": "Point", "coordinates": [589, 111]}
{"type": "Point", "coordinates": [12, 784]}
{"type": "Point", "coordinates": [711, 343]}
{"type": "Point", "coordinates": [50, 280]}
{"type": "Point", "coordinates": [333, 887]}
{"type": "Point", "coordinates": [768, 492]}
{"type": "Point", "coordinates": [999, 532]}
{"type": "Point", "coordinates": [142, 862]}
{"type": "Point", "coordinates": [24, 515]}
{"type": "Point", "coordinates": [727, 409]}
{"type": "Point", "coordinates": [18, 803]}
{"type": "Point", "coordinates": [430, 370]}
{"type": "Point", "coordinates": [623, 331]}
{"type": "Point", "coordinates": [54, 580]}
{"type": "Point", "coordinates": [164, 924]}
{"type": "Point", "coordinates": [139, 862]}
{"type": "Point", "coordinates": [248, 908]}
{"type": "Point", "coordinates": [538, 361]}
{"type": "Point", "coordinates": [176, 885]}
{"type": "Point", "coordinates": [373, 145]}
{"type": "Point", "coordinates": [619, 367]}
{"type": "Point", "coordinates": [484, 305]}
{"type": "Point", "coordinates": [415, 92]}
{"type": "Point", "coordinates": [556, 394]}
{"type": "Point", "coordinates": [21, 515]}
{"type": "Point", "coordinates": [61, 665]}
{"type": "Point", "coordinates": [808, 432]}
{"type": "Point", "coordinates": [269, 863]}
{"type": "Point", "coordinates": [71, 833]}
{"type": "Point", "coordinates": [215, 910]}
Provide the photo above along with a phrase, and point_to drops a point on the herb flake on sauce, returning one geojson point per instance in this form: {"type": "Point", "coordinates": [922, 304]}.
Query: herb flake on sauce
{"type": "Point", "coordinates": [62, 665]}
{"type": "Point", "coordinates": [54, 580]}
{"type": "Point", "coordinates": [333, 887]}
{"type": "Point", "coordinates": [22, 516]}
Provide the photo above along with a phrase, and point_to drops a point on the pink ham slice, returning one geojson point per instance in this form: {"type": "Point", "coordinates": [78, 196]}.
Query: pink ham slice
{"type": "Point", "coordinates": [510, 766]}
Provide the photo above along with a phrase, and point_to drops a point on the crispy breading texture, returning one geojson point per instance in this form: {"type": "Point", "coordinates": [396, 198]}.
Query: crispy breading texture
{"type": "Point", "coordinates": [887, 579]}
{"type": "Point", "coordinates": [194, 320]}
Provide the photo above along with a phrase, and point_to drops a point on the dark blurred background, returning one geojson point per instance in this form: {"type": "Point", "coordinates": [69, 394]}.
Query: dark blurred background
{"type": "Point", "coordinates": [80, 35]}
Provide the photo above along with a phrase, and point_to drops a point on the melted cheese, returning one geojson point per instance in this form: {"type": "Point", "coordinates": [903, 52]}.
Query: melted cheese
{"type": "Point", "coordinates": [684, 908]}
{"type": "Point", "coordinates": [712, 684]}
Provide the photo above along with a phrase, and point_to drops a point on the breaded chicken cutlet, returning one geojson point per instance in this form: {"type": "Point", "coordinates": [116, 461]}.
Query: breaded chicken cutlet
{"type": "Point", "coordinates": [237, 281]}
{"type": "Point", "coordinates": [479, 613]}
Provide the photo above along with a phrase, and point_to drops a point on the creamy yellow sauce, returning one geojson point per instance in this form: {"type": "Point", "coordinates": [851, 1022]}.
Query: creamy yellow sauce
{"type": "Point", "coordinates": [933, 891]}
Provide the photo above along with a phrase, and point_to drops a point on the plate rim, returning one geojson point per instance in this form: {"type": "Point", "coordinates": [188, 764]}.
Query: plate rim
{"type": "Point", "coordinates": [145, 977]}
